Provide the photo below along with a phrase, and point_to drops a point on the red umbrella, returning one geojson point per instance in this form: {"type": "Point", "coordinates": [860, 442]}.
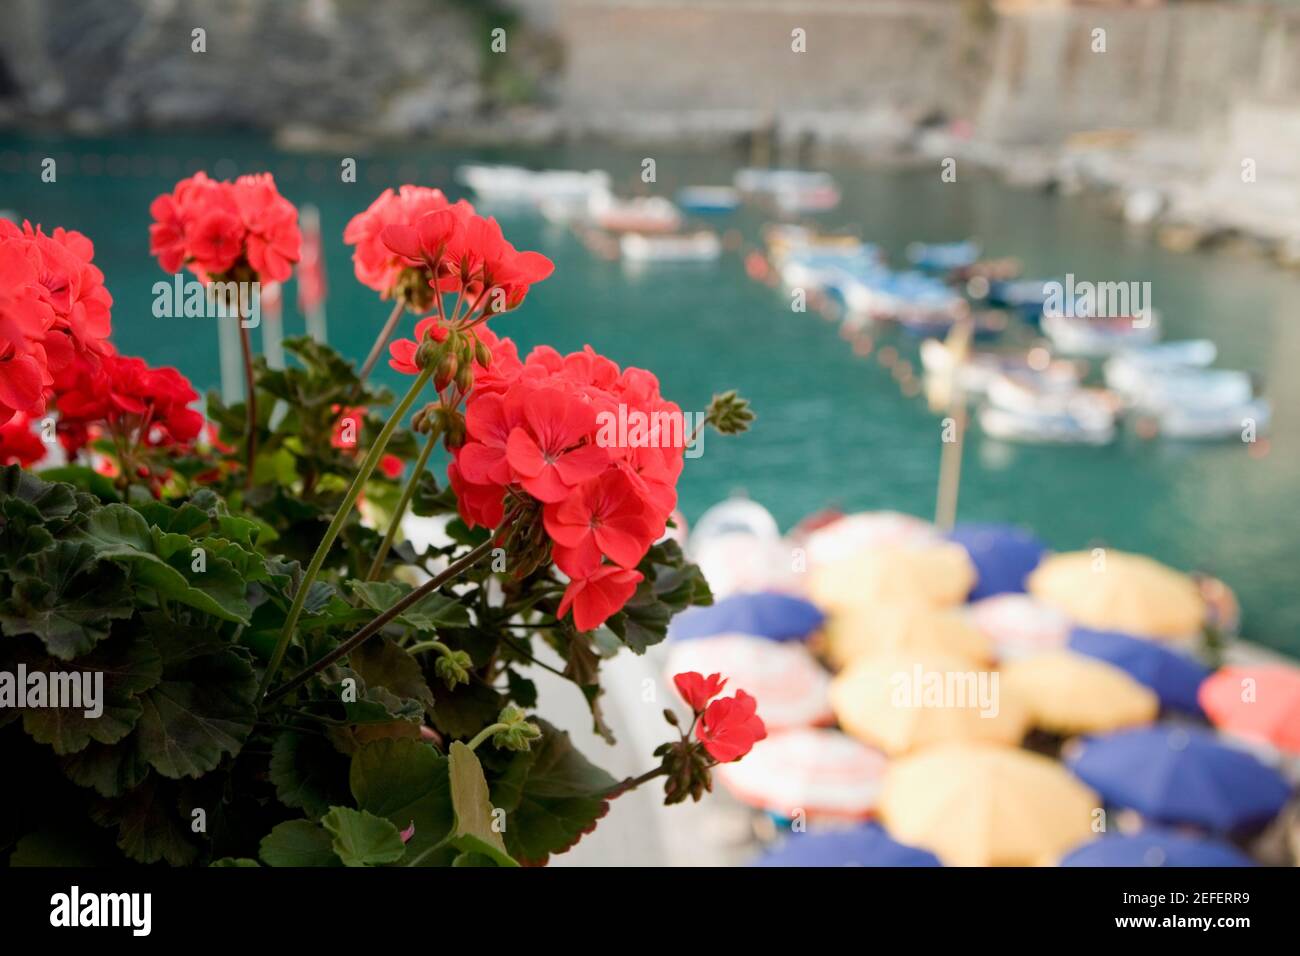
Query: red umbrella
{"type": "Point", "coordinates": [1257, 702]}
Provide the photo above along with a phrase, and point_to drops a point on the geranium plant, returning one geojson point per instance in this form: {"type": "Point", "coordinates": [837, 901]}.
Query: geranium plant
{"type": "Point", "coordinates": [284, 679]}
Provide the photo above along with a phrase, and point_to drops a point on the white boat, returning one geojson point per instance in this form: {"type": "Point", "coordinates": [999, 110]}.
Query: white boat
{"type": "Point", "coordinates": [702, 246]}
{"type": "Point", "coordinates": [1025, 410]}
{"type": "Point", "coordinates": [772, 182]}
{"type": "Point", "coordinates": [708, 199]}
{"type": "Point", "coordinates": [514, 184]}
{"type": "Point", "coordinates": [1192, 389]}
{"type": "Point", "coordinates": [800, 199]}
{"type": "Point", "coordinates": [1209, 423]}
{"type": "Point", "coordinates": [1045, 428]}
{"type": "Point", "coordinates": [975, 374]}
{"type": "Point", "coordinates": [1092, 336]}
{"type": "Point", "coordinates": [644, 214]}
{"type": "Point", "coordinates": [1126, 371]}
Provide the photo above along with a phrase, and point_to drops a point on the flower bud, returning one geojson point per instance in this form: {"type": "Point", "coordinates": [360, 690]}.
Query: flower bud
{"type": "Point", "coordinates": [519, 734]}
{"type": "Point", "coordinates": [729, 413]}
{"type": "Point", "coordinates": [482, 354]}
{"type": "Point", "coordinates": [465, 378]}
{"type": "Point", "coordinates": [428, 353]}
{"type": "Point", "coordinates": [453, 668]}
{"type": "Point", "coordinates": [445, 372]}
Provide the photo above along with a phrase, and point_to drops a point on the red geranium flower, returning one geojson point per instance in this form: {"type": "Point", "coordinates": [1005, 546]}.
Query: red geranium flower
{"type": "Point", "coordinates": [25, 317]}
{"type": "Point", "coordinates": [403, 350]}
{"type": "Point", "coordinates": [697, 690]}
{"type": "Point", "coordinates": [730, 727]}
{"type": "Point", "coordinates": [378, 267]}
{"type": "Point", "coordinates": [19, 445]}
{"type": "Point", "coordinates": [551, 454]}
{"type": "Point", "coordinates": [596, 597]}
{"type": "Point", "coordinates": [602, 517]}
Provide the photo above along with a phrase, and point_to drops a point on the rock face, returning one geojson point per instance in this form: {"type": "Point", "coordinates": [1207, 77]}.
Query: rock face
{"type": "Point", "coordinates": [397, 67]}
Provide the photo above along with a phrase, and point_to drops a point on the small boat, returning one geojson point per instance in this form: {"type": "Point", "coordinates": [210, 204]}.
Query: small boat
{"type": "Point", "coordinates": [1031, 410]}
{"type": "Point", "coordinates": [643, 214]}
{"type": "Point", "coordinates": [514, 184]}
{"type": "Point", "coordinates": [943, 256]}
{"type": "Point", "coordinates": [1092, 336]}
{"type": "Point", "coordinates": [708, 200]}
{"type": "Point", "coordinates": [702, 246]}
{"type": "Point", "coordinates": [1129, 370]}
{"type": "Point", "coordinates": [1023, 296]}
{"type": "Point", "coordinates": [986, 324]}
{"type": "Point", "coordinates": [1216, 422]}
{"type": "Point", "coordinates": [802, 199]}
{"type": "Point", "coordinates": [774, 181]}
{"type": "Point", "coordinates": [1192, 389]}
{"type": "Point", "coordinates": [980, 368]}
{"type": "Point", "coordinates": [1045, 428]}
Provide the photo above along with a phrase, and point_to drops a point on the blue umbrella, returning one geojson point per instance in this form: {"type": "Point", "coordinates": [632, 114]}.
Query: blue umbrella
{"type": "Point", "coordinates": [866, 845]}
{"type": "Point", "coordinates": [1175, 774]}
{"type": "Point", "coordinates": [1156, 846]}
{"type": "Point", "coordinates": [1003, 556]}
{"type": "Point", "coordinates": [1175, 677]}
{"type": "Point", "coordinates": [778, 617]}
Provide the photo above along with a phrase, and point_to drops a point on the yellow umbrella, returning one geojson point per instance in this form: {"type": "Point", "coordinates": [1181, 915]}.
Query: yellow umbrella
{"type": "Point", "coordinates": [938, 574]}
{"type": "Point", "coordinates": [868, 630]}
{"type": "Point", "coordinates": [984, 805]}
{"type": "Point", "coordinates": [1068, 693]}
{"type": "Point", "coordinates": [901, 703]}
{"type": "Point", "coordinates": [1117, 591]}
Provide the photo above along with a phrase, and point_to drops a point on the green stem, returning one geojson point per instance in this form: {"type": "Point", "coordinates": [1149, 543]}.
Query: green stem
{"type": "Point", "coordinates": [407, 494]}
{"type": "Point", "coordinates": [381, 340]}
{"type": "Point", "coordinates": [332, 532]}
{"type": "Point", "coordinates": [377, 624]}
{"type": "Point", "coordinates": [422, 646]}
{"type": "Point", "coordinates": [485, 733]}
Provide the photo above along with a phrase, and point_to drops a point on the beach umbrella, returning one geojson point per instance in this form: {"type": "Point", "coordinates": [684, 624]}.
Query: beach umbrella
{"type": "Point", "coordinates": [1003, 555]}
{"type": "Point", "coordinates": [902, 703]}
{"type": "Point", "coordinates": [938, 574]}
{"type": "Point", "coordinates": [1174, 774]}
{"type": "Point", "coordinates": [855, 534]}
{"type": "Point", "coordinates": [818, 773]}
{"type": "Point", "coordinates": [1019, 625]}
{"type": "Point", "coordinates": [789, 684]}
{"type": "Point", "coordinates": [1115, 591]}
{"type": "Point", "coordinates": [778, 617]}
{"type": "Point", "coordinates": [985, 805]}
{"type": "Point", "coordinates": [1174, 676]}
{"type": "Point", "coordinates": [1156, 846]}
{"type": "Point", "coordinates": [865, 845]}
{"type": "Point", "coordinates": [1069, 693]}
{"type": "Point", "coordinates": [868, 630]}
{"type": "Point", "coordinates": [1259, 703]}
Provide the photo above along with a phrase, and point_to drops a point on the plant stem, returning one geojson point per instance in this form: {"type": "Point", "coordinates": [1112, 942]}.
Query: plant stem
{"type": "Point", "coordinates": [485, 733]}
{"type": "Point", "coordinates": [438, 646]}
{"type": "Point", "coordinates": [385, 334]}
{"type": "Point", "coordinates": [250, 399]}
{"type": "Point", "coordinates": [351, 643]}
{"type": "Point", "coordinates": [407, 494]}
{"type": "Point", "coordinates": [336, 525]}
{"type": "Point", "coordinates": [631, 783]}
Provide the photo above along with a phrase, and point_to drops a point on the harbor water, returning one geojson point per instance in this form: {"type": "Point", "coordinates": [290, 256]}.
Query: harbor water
{"type": "Point", "coordinates": [834, 429]}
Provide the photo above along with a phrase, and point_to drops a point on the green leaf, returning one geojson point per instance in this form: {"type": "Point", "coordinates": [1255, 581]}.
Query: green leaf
{"type": "Point", "coordinates": [232, 861]}
{"type": "Point", "coordinates": [406, 781]}
{"type": "Point", "coordinates": [363, 839]}
{"type": "Point", "coordinates": [150, 825]}
{"type": "Point", "coordinates": [109, 769]}
{"type": "Point", "coordinates": [86, 479]}
{"type": "Point", "coordinates": [67, 597]}
{"type": "Point", "coordinates": [473, 830]}
{"type": "Point", "coordinates": [466, 709]}
{"type": "Point", "coordinates": [429, 613]}
{"type": "Point", "coordinates": [298, 843]}
{"type": "Point", "coordinates": [202, 709]}
{"type": "Point", "coordinates": [308, 773]}
{"type": "Point", "coordinates": [553, 795]}
{"type": "Point", "coordinates": [382, 664]}
{"type": "Point", "coordinates": [130, 666]}
{"type": "Point", "coordinates": [121, 533]}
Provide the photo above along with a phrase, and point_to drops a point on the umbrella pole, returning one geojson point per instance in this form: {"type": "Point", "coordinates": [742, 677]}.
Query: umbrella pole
{"type": "Point", "coordinates": [945, 508]}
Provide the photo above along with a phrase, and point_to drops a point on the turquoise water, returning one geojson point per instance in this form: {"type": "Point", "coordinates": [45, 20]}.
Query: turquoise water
{"type": "Point", "coordinates": [834, 429]}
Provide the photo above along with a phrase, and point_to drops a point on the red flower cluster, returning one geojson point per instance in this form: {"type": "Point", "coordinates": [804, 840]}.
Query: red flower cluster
{"type": "Point", "coordinates": [537, 428]}
{"type": "Point", "coordinates": [456, 250]}
{"type": "Point", "coordinates": [147, 407]}
{"type": "Point", "coordinates": [54, 309]}
{"type": "Point", "coordinates": [727, 728]}
{"type": "Point", "coordinates": [211, 226]}
{"type": "Point", "coordinates": [347, 437]}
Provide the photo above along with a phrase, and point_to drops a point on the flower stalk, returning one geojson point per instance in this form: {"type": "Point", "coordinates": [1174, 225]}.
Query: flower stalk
{"type": "Point", "coordinates": [403, 503]}
{"type": "Point", "coordinates": [336, 526]}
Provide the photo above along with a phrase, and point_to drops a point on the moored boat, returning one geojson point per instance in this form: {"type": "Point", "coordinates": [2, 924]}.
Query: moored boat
{"type": "Point", "coordinates": [702, 246]}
